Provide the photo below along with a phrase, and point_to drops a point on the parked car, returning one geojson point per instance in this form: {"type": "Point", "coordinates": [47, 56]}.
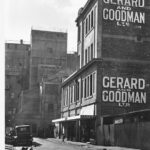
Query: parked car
{"type": "Point", "coordinates": [22, 135]}
{"type": "Point", "coordinates": [9, 138]}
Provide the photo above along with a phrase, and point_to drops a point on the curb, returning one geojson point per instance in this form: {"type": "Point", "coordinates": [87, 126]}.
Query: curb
{"type": "Point", "coordinates": [87, 146]}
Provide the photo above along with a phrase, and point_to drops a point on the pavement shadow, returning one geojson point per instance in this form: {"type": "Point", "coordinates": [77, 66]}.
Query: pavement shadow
{"type": "Point", "coordinates": [36, 144]}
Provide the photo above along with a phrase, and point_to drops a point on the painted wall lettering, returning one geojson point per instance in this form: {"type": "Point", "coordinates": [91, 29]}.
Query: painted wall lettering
{"type": "Point", "coordinates": [124, 11]}
{"type": "Point", "coordinates": [124, 90]}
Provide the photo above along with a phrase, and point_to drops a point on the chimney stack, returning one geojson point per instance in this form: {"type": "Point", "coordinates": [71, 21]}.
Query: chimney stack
{"type": "Point", "coordinates": [21, 41]}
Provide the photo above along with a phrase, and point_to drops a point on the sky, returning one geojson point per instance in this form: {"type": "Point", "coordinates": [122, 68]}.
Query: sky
{"type": "Point", "coordinates": [17, 17]}
{"type": "Point", "coordinates": [52, 15]}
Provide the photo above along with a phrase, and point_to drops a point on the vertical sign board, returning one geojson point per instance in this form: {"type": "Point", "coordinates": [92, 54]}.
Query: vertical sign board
{"type": "Point", "coordinates": [124, 91]}
{"type": "Point", "coordinates": [127, 15]}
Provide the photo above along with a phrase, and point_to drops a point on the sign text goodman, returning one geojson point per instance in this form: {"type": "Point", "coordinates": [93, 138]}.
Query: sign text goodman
{"type": "Point", "coordinates": [125, 11]}
{"type": "Point", "coordinates": [123, 91]}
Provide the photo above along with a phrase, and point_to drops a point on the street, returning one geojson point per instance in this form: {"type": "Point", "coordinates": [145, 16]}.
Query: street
{"type": "Point", "coordinates": [45, 144]}
{"type": "Point", "coordinates": [55, 144]}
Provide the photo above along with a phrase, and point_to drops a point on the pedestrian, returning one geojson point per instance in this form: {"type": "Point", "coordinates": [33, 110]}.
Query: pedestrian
{"type": "Point", "coordinates": [63, 137]}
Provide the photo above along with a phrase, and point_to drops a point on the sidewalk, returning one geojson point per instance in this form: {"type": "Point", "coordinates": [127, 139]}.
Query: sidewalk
{"type": "Point", "coordinates": [87, 146]}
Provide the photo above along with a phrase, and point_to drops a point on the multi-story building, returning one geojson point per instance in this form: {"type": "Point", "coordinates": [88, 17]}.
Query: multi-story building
{"type": "Point", "coordinates": [107, 100]}
{"type": "Point", "coordinates": [16, 75]}
{"type": "Point", "coordinates": [47, 48]}
{"type": "Point", "coordinates": [48, 65]}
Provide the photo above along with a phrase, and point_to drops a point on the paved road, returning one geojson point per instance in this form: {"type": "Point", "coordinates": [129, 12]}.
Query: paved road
{"type": "Point", "coordinates": [43, 144]}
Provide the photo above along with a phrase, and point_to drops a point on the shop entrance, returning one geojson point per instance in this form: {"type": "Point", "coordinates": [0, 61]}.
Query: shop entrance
{"type": "Point", "coordinates": [71, 131]}
{"type": "Point", "coordinates": [87, 130]}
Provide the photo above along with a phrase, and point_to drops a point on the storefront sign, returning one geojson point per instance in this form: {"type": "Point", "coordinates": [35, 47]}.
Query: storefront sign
{"type": "Point", "coordinates": [124, 12]}
{"type": "Point", "coordinates": [124, 91]}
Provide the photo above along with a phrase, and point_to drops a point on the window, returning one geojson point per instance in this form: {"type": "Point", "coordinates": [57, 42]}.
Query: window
{"type": "Point", "coordinates": [85, 88]}
{"type": "Point", "coordinates": [67, 95]}
{"type": "Point", "coordinates": [94, 82]}
{"type": "Point", "coordinates": [92, 55]}
{"type": "Point", "coordinates": [92, 19]}
{"type": "Point", "coordinates": [77, 90]}
{"type": "Point", "coordinates": [89, 27]}
{"type": "Point", "coordinates": [86, 55]}
{"type": "Point", "coordinates": [88, 87]}
{"type": "Point", "coordinates": [79, 33]}
{"type": "Point", "coordinates": [89, 22]}
{"type": "Point", "coordinates": [86, 26]}
{"type": "Point", "coordinates": [71, 94]}
{"type": "Point", "coordinates": [82, 88]}
{"type": "Point", "coordinates": [64, 96]}
{"type": "Point", "coordinates": [70, 91]}
{"type": "Point", "coordinates": [87, 80]}
{"type": "Point", "coordinates": [89, 54]}
{"type": "Point", "coordinates": [91, 85]}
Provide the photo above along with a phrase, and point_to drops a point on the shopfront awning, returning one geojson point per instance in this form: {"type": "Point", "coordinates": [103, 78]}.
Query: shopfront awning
{"type": "Point", "coordinates": [87, 111]}
{"type": "Point", "coordinates": [58, 120]}
{"type": "Point", "coordinates": [73, 117]}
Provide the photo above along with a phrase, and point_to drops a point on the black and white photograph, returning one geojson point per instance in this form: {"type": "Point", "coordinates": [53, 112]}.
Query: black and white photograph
{"type": "Point", "coordinates": [76, 74]}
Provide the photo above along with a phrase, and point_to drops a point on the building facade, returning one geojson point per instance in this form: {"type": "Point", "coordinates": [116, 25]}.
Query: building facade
{"type": "Point", "coordinates": [107, 100]}
{"type": "Point", "coordinates": [49, 64]}
{"type": "Point", "coordinates": [16, 76]}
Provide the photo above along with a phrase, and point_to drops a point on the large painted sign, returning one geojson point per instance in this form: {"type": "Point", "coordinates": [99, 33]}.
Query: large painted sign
{"type": "Point", "coordinates": [124, 91]}
{"type": "Point", "coordinates": [124, 12]}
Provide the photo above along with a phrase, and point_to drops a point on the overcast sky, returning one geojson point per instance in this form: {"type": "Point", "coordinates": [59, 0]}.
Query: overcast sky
{"type": "Point", "coordinates": [58, 15]}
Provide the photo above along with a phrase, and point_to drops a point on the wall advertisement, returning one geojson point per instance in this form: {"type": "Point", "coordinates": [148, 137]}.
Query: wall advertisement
{"type": "Point", "coordinates": [124, 12]}
{"type": "Point", "coordinates": [124, 91]}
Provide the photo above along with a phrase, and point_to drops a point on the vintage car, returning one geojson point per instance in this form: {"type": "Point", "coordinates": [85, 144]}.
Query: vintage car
{"type": "Point", "coordinates": [22, 136]}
